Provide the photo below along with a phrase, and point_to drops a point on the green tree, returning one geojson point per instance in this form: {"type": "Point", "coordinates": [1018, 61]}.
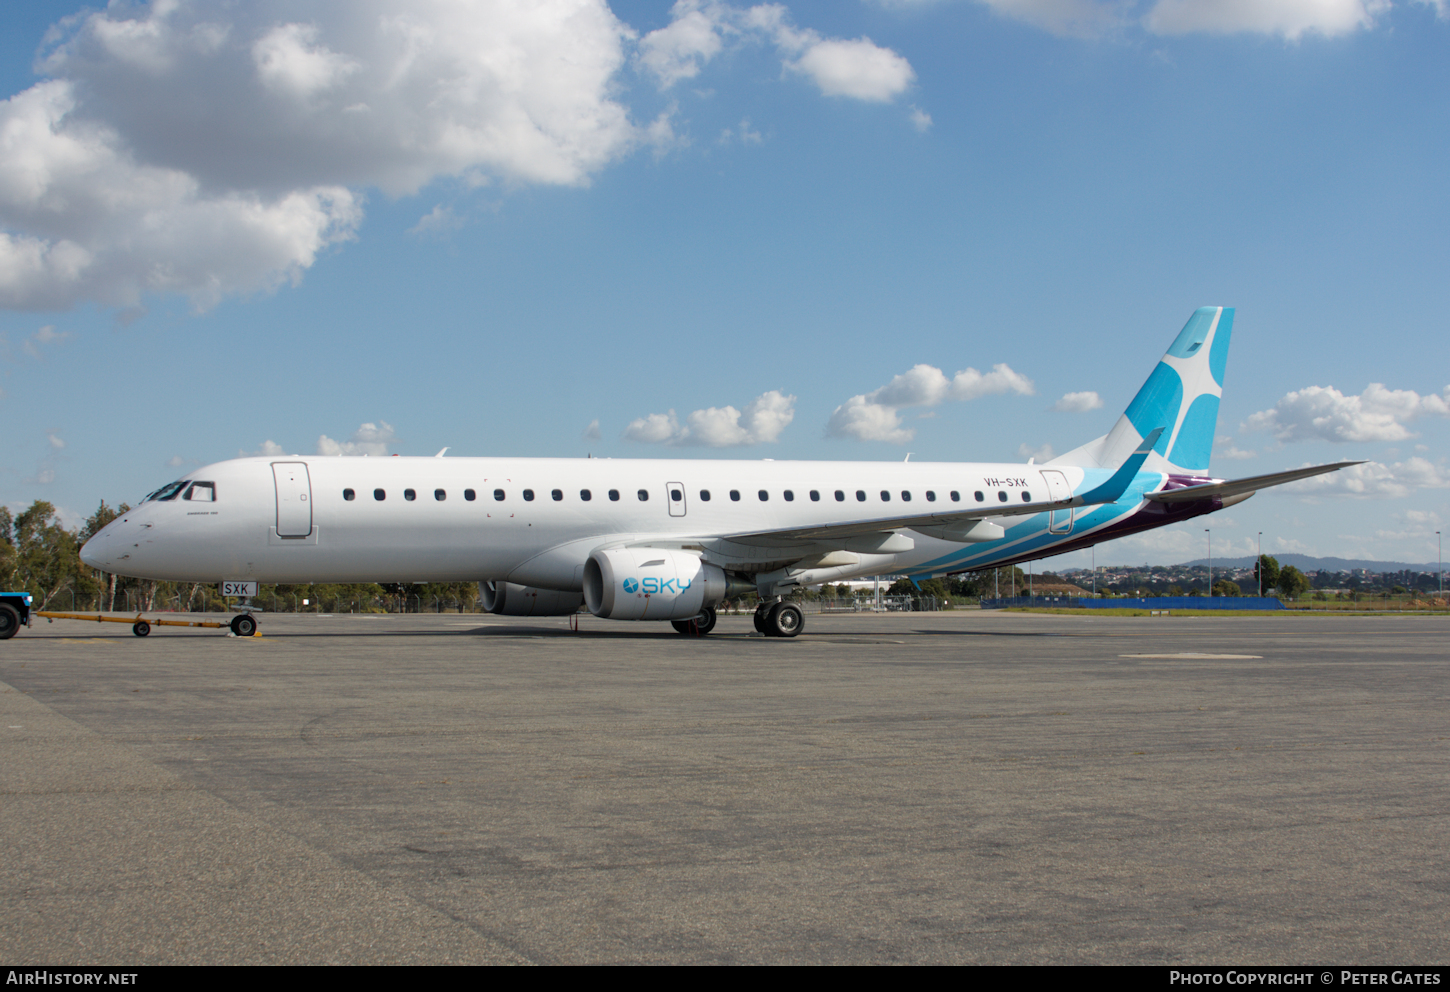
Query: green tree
{"type": "Point", "coordinates": [46, 559]}
{"type": "Point", "coordinates": [1292, 582]}
{"type": "Point", "coordinates": [91, 581]}
{"type": "Point", "coordinates": [1267, 567]}
{"type": "Point", "coordinates": [1223, 587]}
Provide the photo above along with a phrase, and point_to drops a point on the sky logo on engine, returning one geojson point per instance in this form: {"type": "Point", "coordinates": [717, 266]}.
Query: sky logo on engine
{"type": "Point", "coordinates": [651, 585]}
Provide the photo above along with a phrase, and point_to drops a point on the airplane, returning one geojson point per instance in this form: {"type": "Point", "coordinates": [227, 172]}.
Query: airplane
{"type": "Point", "coordinates": [670, 540]}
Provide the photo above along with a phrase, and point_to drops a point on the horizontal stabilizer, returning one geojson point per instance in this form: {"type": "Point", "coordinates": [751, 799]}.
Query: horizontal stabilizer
{"type": "Point", "coordinates": [1234, 487]}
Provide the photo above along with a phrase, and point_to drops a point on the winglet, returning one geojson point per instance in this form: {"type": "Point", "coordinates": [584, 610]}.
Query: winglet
{"type": "Point", "coordinates": [1118, 484]}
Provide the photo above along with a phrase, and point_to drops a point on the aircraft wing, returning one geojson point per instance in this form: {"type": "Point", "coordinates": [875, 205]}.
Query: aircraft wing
{"type": "Point", "coordinates": [1107, 492]}
{"type": "Point", "coordinates": [1234, 487]}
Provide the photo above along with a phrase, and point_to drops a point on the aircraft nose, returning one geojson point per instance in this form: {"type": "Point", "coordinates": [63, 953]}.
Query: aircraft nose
{"type": "Point", "coordinates": [99, 551]}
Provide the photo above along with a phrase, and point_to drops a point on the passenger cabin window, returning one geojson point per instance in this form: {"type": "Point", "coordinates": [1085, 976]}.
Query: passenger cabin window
{"type": "Point", "coordinates": [349, 495]}
{"type": "Point", "coordinates": [677, 495]}
{"type": "Point", "coordinates": [585, 495]}
{"type": "Point", "coordinates": [440, 494]}
{"type": "Point", "coordinates": [704, 495]}
{"type": "Point", "coordinates": [410, 494]}
{"type": "Point", "coordinates": [528, 496]}
{"type": "Point", "coordinates": [470, 495]}
{"type": "Point", "coordinates": [885, 496]}
{"type": "Point", "coordinates": [735, 495]}
{"type": "Point", "coordinates": [979, 496]}
{"type": "Point", "coordinates": [763, 495]}
{"type": "Point", "coordinates": [380, 494]}
{"type": "Point", "coordinates": [201, 492]}
{"type": "Point", "coordinates": [557, 495]}
{"type": "Point", "coordinates": [614, 495]}
{"type": "Point", "coordinates": [643, 495]}
{"type": "Point", "coordinates": [1001, 496]}
{"type": "Point", "coordinates": [1026, 496]}
{"type": "Point", "coordinates": [860, 495]}
{"type": "Point", "coordinates": [840, 496]}
{"type": "Point", "coordinates": [498, 495]}
{"type": "Point", "coordinates": [905, 496]}
{"type": "Point", "coordinates": [789, 496]}
{"type": "Point", "coordinates": [815, 496]}
{"type": "Point", "coordinates": [930, 496]}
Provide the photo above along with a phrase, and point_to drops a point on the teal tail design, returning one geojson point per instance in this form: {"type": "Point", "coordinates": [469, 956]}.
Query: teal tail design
{"type": "Point", "coordinates": [1181, 396]}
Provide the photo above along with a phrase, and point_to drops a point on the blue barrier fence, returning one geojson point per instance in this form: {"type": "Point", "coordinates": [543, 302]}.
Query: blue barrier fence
{"type": "Point", "coordinates": [1151, 603]}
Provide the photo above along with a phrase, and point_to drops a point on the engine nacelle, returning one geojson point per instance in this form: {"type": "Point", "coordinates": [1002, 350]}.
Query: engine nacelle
{"type": "Point", "coordinates": [651, 584]}
{"type": "Point", "coordinates": [509, 600]}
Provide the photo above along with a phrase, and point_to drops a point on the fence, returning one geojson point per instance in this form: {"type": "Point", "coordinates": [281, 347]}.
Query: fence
{"type": "Point", "coordinates": [1145, 603]}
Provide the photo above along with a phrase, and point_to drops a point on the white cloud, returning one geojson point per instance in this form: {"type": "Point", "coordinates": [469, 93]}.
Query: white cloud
{"type": "Point", "coordinates": [437, 221]}
{"type": "Point", "coordinates": [46, 335]}
{"type": "Point", "coordinates": [90, 222]}
{"type": "Point", "coordinates": [1324, 413]}
{"type": "Point", "coordinates": [746, 135]}
{"type": "Point", "coordinates": [875, 416]}
{"type": "Point", "coordinates": [1078, 402]}
{"type": "Point", "coordinates": [1375, 479]}
{"type": "Point", "coordinates": [205, 149]}
{"type": "Point", "coordinates": [591, 433]}
{"type": "Point", "coordinates": [369, 439]}
{"type": "Point", "coordinates": [269, 448]}
{"type": "Point", "coordinates": [289, 60]}
{"type": "Point", "coordinates": [210, 148]}
{"type": "Point", "coordinates": [857, 68]}
{"type": "Point", "coordinates": [1287, 18]}
{"type": "Point", "coordinates": [692, 38]}
{"type": "Point", "coordinates": [761, 422]}
{"type": "Point", "coordinates": [657, 428]}
{"type": "Point", "coordinates": [920, 119]}
{"type": "Point", "coordinates": [54, 441]}
{"type": "Point", "coordinates": [1028, 453]}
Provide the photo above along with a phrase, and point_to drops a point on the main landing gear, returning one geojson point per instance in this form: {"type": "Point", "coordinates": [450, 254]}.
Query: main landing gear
{"type": "Point", "coordinates": [779, 619]}
{"type": "Point", "coordinates": [696, 626]}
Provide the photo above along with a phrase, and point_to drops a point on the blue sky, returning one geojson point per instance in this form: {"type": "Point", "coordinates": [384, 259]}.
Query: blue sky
{"type": "Point", "coordinates": [715, 230]}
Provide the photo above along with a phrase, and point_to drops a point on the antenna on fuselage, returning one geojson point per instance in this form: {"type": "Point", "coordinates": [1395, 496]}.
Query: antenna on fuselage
{"type": "Point", "coordinates": [442, 453]}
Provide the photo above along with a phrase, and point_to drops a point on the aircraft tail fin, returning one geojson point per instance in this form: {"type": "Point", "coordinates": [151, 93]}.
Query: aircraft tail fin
{"type": "Point", "coordinates": [1181, 396]}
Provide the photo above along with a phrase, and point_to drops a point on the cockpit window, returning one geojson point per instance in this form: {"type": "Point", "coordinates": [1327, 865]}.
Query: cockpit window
{"type": "Point", "coordinates": [168, 491]}
{"type": "Point", "coordinates": [201, 492]}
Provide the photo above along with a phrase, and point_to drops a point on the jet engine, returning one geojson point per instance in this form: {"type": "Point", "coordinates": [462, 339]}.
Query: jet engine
{"type": "Point", "coordinates": [507, 599]}
{"type": "Point", "coordinates": [652, 584]}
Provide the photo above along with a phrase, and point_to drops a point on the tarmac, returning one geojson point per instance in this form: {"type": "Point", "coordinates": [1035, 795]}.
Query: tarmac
{"type": "Point", "coordinates": [961, 787]}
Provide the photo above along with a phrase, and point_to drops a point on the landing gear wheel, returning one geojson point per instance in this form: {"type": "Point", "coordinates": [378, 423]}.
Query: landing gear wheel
{"type": "Point", "coordinates": [760, 614]}
{"type": "Point", "coordinates": [9, 621]}
{"type": "Point", "coordinates": [696, 626]}
{"type": "Point", "coordinates": [244, 625]}
{"type": "Point", "coordinates": [785, 620]}
{"type": "Point", "coordinates": [140, 628]}
{"type": "Point", "coordinates": [705, 622]}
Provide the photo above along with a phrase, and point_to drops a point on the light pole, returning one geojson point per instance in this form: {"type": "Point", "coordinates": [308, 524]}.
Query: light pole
{"type": "Point", "coordinates": [1259, 565]}
{"type": "Point", "coordinates": [1210, 561]}
{"type": "Point", "coordinates": [1440, 564]}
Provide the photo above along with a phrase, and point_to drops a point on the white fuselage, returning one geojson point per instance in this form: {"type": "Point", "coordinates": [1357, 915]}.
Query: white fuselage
{"type": "Point", "coordinates": [441, 535]}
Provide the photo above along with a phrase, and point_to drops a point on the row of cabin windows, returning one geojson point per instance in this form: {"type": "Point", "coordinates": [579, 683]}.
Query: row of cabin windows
{"type": "Point", "coordinates": [677, 496]}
